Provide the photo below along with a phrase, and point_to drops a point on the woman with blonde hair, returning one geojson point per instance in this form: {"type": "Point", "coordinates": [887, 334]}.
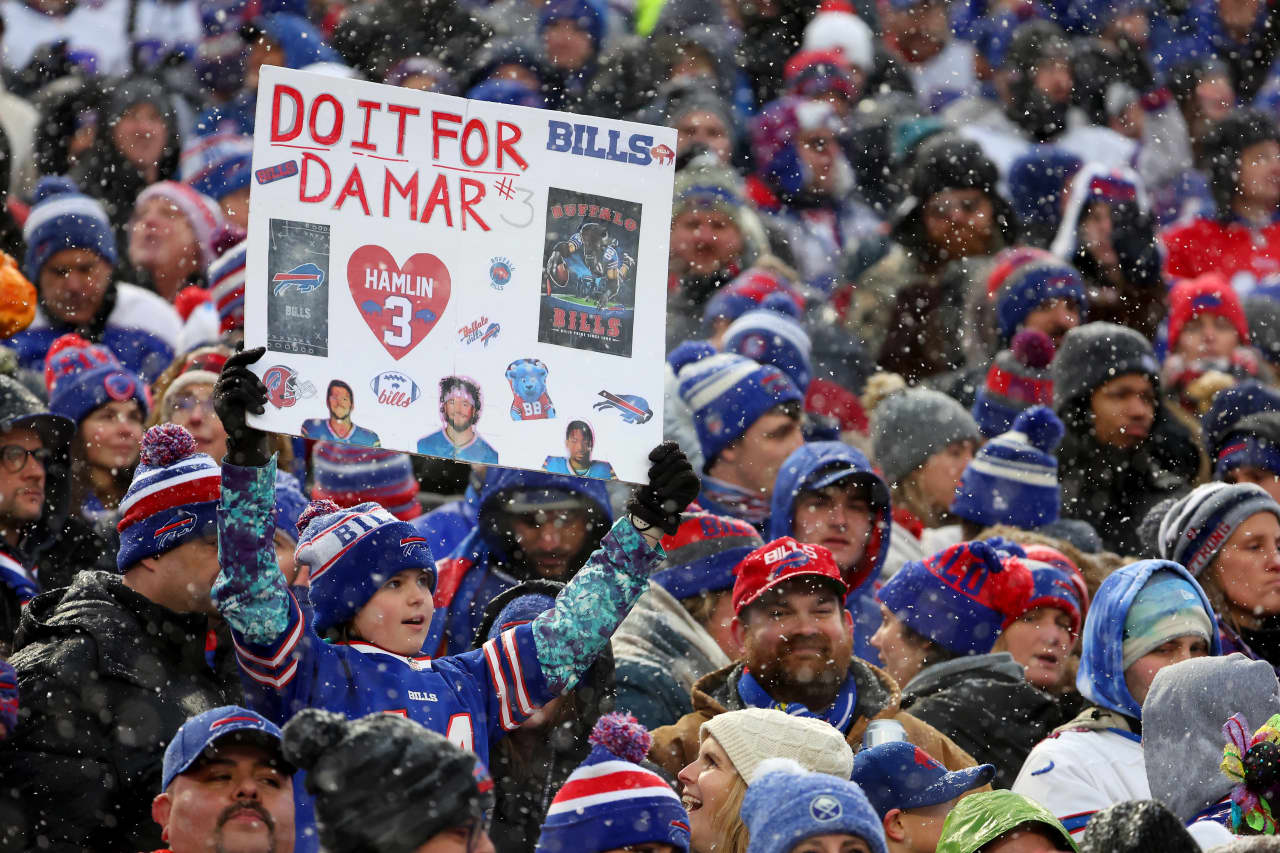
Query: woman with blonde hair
{"type": "Point", "coordinates": [732, 746]}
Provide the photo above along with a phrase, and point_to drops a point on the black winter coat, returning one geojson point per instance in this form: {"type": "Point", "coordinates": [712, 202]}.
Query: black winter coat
{"type": "Point", "coordinates": [106, 678]}
{"type": "Point", "coordinates": [986, 706]}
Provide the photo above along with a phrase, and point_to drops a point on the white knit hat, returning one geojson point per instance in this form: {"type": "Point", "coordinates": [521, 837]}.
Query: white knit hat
{"type": "Point", "coordinates": [753, 735]}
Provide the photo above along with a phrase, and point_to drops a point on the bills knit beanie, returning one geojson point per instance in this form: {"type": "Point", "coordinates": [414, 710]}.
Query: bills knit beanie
{"type": "Point", "coordinates": [703, 553]}
{"type": "Point", "coordinates": [1210, 294]}
{"type": "Point", "coordinates": [753, 735]}
{"type": "Point", "coordinates": [201, 212]}
{"type": "Point", "coordinates": [218, 165]}
{"type": "Point", "coordinates": [348, 474]}
{"type": "Point", "coordinates": [911, 425]}
{"type": "Point", "coordinates": [963, 597]}
{"type": "Point", "coordinates": [1230, 407]}
{"type": "Point", "coordinates": [173, 498]}
{"type": "Point", "coordinates": [62, 217]}
{"type": "Point", "coordinates": [226, 285]}
{"type": "Point", "coordinates": [786, 804]}
{"type": "Point", "coordinates": [351, 553]}
{"type": "Point", "coordinates": [1094, 354]}
{"type": "Point", "coordinates": [1018, 378]}
{"type": "Point", "coordinates": [1195, 528]}
{"type": "Point", "coordinates": [727, 393]}
{"type": "Point", "coordinates": [81, 376]}
{"type": "Point", "coordinates": [746, 293]}
{"type": "Point", "coordinates": [612, 801]}
{"type": "Point", "coordinates": [1018, 288]}
{"type": "Point", "coordinates": [772, 337]}
{"type": "Point", "coordinates": [1013, 479]}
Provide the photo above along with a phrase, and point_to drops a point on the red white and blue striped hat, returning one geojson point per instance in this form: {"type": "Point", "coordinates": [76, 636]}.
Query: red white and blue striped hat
{"type": "Point", "coordinates": [349, 474]}
{"type": "Point", "coordinates": [173, 498]}
{"type": "Point", "coordinates": [226, 284]}
{"type": "Point", "coordinates": [611, 802]}
{"type": "Point", "coordinates": [351, 553]}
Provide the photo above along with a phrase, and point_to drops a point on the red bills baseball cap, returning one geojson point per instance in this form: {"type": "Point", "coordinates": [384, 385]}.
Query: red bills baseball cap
{"type": "Point", "coordinates": [779, 561]}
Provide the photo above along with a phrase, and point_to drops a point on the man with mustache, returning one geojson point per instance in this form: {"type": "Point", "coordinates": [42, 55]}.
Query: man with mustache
{"type": "Point", "coordinates": [797, 657]}
{"type": "Point", "coordinates": [227, 786]}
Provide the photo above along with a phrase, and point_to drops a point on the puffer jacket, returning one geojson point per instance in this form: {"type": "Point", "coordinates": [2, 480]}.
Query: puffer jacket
{"type": "Point", "coordinates": [107, 676]}
{"type": "Point", "coordinates": [985, 705]}
{"type": "Point", "coordinates": [878, 698]}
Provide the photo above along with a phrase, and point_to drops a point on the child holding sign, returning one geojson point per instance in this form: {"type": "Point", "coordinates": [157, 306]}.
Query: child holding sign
{"type": "Point", "coordinates": [372, 578]}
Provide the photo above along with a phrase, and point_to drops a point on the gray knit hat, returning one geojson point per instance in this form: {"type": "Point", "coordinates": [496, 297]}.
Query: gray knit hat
{"type": "Point", "coordinates": [1096, 353]}
{"type": "Point", "coordinates": [909, 426]}
{"type": "Point", "coordinates": [1195, 528]}
{"type": "Point", "coordinates": [1182, 720]}
{"type": "Point", "coordinates": [751, 735]}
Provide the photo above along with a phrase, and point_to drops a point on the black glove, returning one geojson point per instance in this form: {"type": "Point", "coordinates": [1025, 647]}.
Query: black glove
{"type": "Point", "coordinates": [672, 487]}
{"type": "Point", "coordinates": [237, 392]}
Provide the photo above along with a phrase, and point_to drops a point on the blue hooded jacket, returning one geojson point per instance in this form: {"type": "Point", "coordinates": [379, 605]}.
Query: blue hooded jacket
{"type": "Point", "coordinates": [796, 473]}
{"type": "Point", "coordinates": [1100, 678]}
{"type": "Point", "coordinates": [468, 578]}
{"type": "Point", "coordinates": [448, 524]}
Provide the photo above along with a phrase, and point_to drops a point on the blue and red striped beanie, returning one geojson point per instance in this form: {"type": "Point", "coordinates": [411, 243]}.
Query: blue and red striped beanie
{"type": "Point", "coordinates": [351, 552]}
{"type": "Point", "coordinates": [173, 498]}
{"type": "Point", "coordinates": [611, 802]}
{"type": "Point", "coordinates": [80, 376]}
{"type": "Point", "coordinates": [348, 474]}
{"type": "Point", "coordinates": [703, 553]}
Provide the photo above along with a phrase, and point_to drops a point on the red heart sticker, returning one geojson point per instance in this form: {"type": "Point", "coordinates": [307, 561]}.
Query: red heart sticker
{"type": "Point", "coordinates": [401, 304]}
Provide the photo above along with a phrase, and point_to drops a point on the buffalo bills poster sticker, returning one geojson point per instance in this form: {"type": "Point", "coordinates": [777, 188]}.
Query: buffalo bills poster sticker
{"type": "Point", "coordinates": [459, 279]}
{"type": "Point", "coordinates": [589, 272]}
{"type": "Point", "coordinates": [298, 276]}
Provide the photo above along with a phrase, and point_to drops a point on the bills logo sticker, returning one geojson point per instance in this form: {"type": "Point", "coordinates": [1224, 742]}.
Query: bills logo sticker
{"type": "Point", "coordinates": [287, 169]}
{"type": "Point", "coordinates": [298, 273]}
{"type": "Point", "coordinates": [662, 154]}
{"type": "Point", "coordinates": [394, 388]}
{"type": "Point", "coordinates": [480, 330]}
{"type": "Point", "coordinates": [632, 409]}
{"type": "Point", "coordinates": [284, 389]}
{"type": "Point", "coordinates": [500, 272]}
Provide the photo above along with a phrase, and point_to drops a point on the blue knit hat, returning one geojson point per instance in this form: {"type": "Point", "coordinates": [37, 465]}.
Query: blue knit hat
{"type": "Point", "coordinates": [1029, 285]}
{"type": "Point", "coordinates": [589, 15]}
{"type": "Point", "coordinates": [770, 336]}
{"type": "Point", "coordinates": [290, 504]}
{"type": "Point", "coordinates": [963, 597]}
{"type": "Point", "coordinates": [901, 775]}
{"type": "Point", "coordinates": [520, 610]}
{"type": "Point", "coordinates": [348, 474]}
{"type": "Point", "coordinates": [727, 393]}
{"type": "Point", "coordinates": [173, 498]}
{"type": "Point", "coordinates": [611, 801]}
{"type": "Point", "coordinates": [703, 553]}
{"type": "Point", "coordinates": [352, 552]}
{"type": "Point", "coordinates": [62, 217]}
{"type": "Point", "coordinates": [81, 376]}
{"type": "Point", "coordinates": [785, 804]}
{"type": "Point", "coordinates": [218, 165]}
{"type": "Point", "coordinates": [1013, 479]}
{"type": "Point", "coordinates": [1038, 179]}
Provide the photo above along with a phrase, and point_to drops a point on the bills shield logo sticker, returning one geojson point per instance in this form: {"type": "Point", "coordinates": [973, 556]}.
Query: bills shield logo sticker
{"type": "Point", "coordinates": [298, 274]}
{"type": "Point", "coordinates": [400, 303]}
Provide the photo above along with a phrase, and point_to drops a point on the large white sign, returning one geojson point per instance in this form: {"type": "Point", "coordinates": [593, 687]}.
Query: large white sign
{"type": "Point", "coordinates": [458, 278]}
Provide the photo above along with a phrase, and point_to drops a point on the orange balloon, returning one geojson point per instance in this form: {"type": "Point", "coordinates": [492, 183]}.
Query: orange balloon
{"type": "Point", "coordinates": [17, 298]}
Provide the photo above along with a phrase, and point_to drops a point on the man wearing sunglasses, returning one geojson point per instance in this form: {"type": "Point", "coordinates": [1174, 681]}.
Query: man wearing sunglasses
{"type": "Point", "coordinates": [110, 667]}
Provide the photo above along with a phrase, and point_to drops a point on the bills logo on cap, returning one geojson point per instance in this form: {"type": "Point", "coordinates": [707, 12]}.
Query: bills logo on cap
{"type": "Point", "coordinates": [824, 807]}
{"type": "Point", "coordinates": [410, 544]}
{"type": "Point", "coordinates": [305, 277]}
{"type": "Point", "coordinates": [170, 533]}
{"type": "Point", "coordinates": [753, 346]}
{"type": "Point", "coordinates": [119, 386]}
{"type": "Point", "coordinates": [256, 722]}
{"type": "Point", "coordinates": [284, 388]}
{"type": "Point", "coordinates": [787, 557]}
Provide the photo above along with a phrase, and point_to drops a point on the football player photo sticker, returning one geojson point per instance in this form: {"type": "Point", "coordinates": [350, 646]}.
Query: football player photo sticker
{"type": "Point", "coordinates": [528, 380]}
{"type": "Point", "coordinates": [579, 444]}
{"type": "Point", "coordinates": [461, 403]}
{"type": "Point", "coordinates": [400, 303]}
{"type": "Point", "coordinates": [340, 399]}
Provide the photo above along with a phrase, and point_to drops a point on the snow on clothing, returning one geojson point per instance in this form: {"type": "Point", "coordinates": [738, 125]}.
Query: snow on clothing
{"type": "Point", "coordinates": [660, 652]}
{"type": "Point", "coordinates": [876, 696]}
{"type": "Point", "coordinates": [86, 762]}
{"type": "Point", "coordinates": [800, 468]}
{"type": "Point", "coordinates": [1096, 759]}
{"type": "Point", "coordinates": [473, 698]}
{"type": "Point", "coordinates": [139, 327]}
{"type": "Point", "coordinates": [985, 704]}
{"type": "Point", "coordinates": [479, 568]}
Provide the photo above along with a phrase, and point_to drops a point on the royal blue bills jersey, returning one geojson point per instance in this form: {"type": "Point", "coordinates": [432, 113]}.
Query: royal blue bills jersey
{"type": "Point", "coordinates": [472, 698]}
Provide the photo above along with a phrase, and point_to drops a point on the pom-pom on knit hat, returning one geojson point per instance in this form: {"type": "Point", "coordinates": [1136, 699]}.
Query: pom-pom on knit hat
{"type": "Point", "coordinates": [81, 376]}
{"type": "Point", "coordinates": [1013, 479]}
{"type": "Point", "coordinates": [963, 597]}
{"type": "Point", "coordinates": [173, 498]}
{"type": "Point", "coordinates": [611, 800]}
{"type": "Point", "coordinates": [1017, 379]}
{"type": "Point", "coordinates": [753, 735]}
{"type": "Point", "coordinates": [786, 804]}
{"type": "Point", "coordinates": [351, 553]}
{"type": "Point", "coordinates": [62, 217]}
{"type": "Point", "coordinates": [1252, 760]}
